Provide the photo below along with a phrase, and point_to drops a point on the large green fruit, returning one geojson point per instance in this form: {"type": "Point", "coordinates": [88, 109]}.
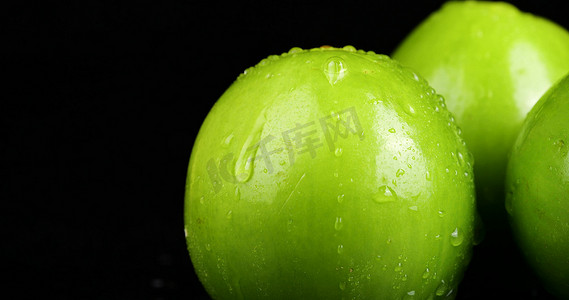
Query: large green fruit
{"type": "Point", "coordinates": [538, 189]}
{"type": "Point", "coordinates": [329, 174]}
{"type": "Point", "coordinates": [492, 63]}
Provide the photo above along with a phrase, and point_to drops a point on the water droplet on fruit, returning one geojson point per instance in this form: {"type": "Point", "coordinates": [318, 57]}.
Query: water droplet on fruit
{"type": "Point", "coordinates": [399, 173]}
{"type": "Point", "coordinates": [245, 162]}
{"type": "Point", "coordinates": [415, 76]}
{"type": "Point", "coordinates": [428, 176]}
{"type": "Point", "coordinates": [342, 285]}
{"type": "Point", "coordinates": [441, 289]}
{"type": "Point", "coordinates": [398, 268]}
{"type": "Point", "coordinates": [413, 208]}
{"type": "Point", "coordinates": [409, 109]}
{"type": "Point", "coordinates": [227, 141]}
{"type": "Point", "coordinates": [244, 168]}
{"type": "Point", "coordinates": [392, 130]}
{"type": "Point", "coordinates": [208, 247]}
{"type": "Point", "coordinates": [338, 152]}
{"type": "Point", "coordinates": [441, 213]}
{"type": "Point", "coordinates": [341, 198]}
{"type": "Point", "coordinates": [294, 50]}
{"type": "Point", "coordinates": [229, 215]}
{"type": "Point", "coordinates": [349, 48]}
{"type": "Point", "coordinates": [338, 224]}
{"type": "Point", "coordinates": [340, 249]}
{"type": "Point", "coordinates": [456, 237]}
{"type": "Point", "coordinates": [335, 115]}
{"type": "Point", "coordinates": [335, 70]}
{"type": "Point", "coordinates": [385, 194]}
{"type": "Point", "coordinates": [427, 273]}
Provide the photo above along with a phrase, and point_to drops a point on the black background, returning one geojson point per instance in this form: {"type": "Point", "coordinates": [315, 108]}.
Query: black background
{"type": "Point", "coordinates": [99, 115]}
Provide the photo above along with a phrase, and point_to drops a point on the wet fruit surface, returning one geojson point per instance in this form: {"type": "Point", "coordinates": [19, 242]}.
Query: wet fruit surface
{"type": "Point", "coordinates": [330, 173]}
{"type": "Point", "coordinates": [538, 189]}
{"type": "Point", "coordinates": [492, 63]}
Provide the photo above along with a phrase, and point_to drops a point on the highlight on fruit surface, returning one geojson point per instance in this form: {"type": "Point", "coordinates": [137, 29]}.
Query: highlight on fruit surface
{"type": "Point", "coordinates": [492, 63]}
{"type": "Point", "coordinates": [330, 173]}
{"type": "Point", "coordinates": [537, 187]}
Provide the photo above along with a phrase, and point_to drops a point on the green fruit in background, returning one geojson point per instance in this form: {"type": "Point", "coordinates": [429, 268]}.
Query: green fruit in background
{"type": "Point", "coordinates": [538, 189]}
{"type": "Point", "coordinates": [329, 173]}
{"type": "Point", "coordinates": [491, 62]}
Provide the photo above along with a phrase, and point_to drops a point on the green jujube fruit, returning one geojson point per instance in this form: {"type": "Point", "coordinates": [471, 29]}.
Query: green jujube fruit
{"type": "Point", "coordinates": [329, 173]}
{"type": "Point", "coordinates": [537, 186]}
{"type": "Point", "coordinates": [492, 63]}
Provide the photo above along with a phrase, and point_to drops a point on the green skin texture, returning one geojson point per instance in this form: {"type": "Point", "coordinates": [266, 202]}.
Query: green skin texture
{"type": "Point", "coordinates": [492, 63]}
{"type": "Point", "coordinates": [538, 189]}
{"type": "Point", "coordinates": [326, 226]}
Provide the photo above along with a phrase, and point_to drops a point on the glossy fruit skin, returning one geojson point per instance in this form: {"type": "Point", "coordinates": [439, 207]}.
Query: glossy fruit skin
{"type": "Point", "coordinates": [492, 63]}
{"type": "Point", "coordinates": [537, 183]}
{"type": "Point", "coordinates": [382, 207]}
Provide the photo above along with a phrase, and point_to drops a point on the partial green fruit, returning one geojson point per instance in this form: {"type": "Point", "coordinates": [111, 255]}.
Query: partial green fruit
{"type": "Point", "coordinates": [538, 189]}
{"type": "Point", "coordinates": [329, 174]}
{"type": "Point", "coordinates": [492, 63]}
